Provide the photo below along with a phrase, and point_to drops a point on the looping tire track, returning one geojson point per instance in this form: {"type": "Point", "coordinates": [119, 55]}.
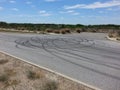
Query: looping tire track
{"type": "Point", "coordinates": [44, 43]}
{"type": "Point", "coordinates": [87, 58]}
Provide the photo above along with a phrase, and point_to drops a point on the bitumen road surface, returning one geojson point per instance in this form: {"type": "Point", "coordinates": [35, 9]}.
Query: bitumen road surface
{"type": "Point", "coordinates": [87, 57]}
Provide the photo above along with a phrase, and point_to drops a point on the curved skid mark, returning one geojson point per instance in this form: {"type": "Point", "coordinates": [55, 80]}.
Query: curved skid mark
{"type": "Point", "coordinates": [49, 45]}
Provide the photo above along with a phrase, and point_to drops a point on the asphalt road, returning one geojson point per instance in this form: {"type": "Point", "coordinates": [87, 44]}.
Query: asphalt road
{"type": "Point", "coordinates": [87, 57]}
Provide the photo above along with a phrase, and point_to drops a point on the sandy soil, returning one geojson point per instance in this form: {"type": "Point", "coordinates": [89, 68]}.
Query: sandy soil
{"type": "Point", "coordinates": [18, 75]}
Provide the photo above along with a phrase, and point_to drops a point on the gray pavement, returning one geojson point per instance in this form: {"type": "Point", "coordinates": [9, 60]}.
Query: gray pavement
{"type": "Point", "coordinates": [87, 57]}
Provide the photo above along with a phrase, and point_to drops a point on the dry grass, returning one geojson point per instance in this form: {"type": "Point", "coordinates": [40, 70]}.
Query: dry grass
{"type": "Point", "coordinates": [4, 78]}
{"type": "Point", "coordinates": [51, 85]}
{"type": "Point", "coordinates": [118, 38]}
{"type": "Point", "coordinates": [3, 61]}
{"type": "Point", "coordinates": [34, 75]}
{"type": "Point", "coordinates": [11, 83]}
{"type": "Point", "coordinates": [10, 72]}
{"type": "Point", "coordinates": [18, 75]}
{"type": "Point", "coordinates": [114, 34]}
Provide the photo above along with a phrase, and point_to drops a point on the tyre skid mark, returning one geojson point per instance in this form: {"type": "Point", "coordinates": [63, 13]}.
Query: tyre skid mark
{"type": "Point", "coordinates": [45, 44]}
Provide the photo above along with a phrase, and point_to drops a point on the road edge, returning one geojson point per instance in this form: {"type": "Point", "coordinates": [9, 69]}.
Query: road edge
{"type": "Point", "coordinates": [112, 39]}
{"type": "Point", "coordinates": [74, 80]}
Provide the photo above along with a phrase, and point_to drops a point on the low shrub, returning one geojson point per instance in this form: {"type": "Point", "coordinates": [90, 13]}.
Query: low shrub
{"type": "Point", "coordinates": [67, 31]}
{"type": "Point", "coordinates": [3, 61]}
{"type": "Point", "coordinates": [57, 32]}
{"type": "Point", "coordinates": [49, 31]}
{"type": "Point", "coordinates": [78, 31]}
{"type": "Point", "coordinates": [51, 85]}
{"type": "Point", "coordinates": [63, 32]}
{"type": "Point", "coordinates": [118, 39]}
{"type": "Point", "coordinates": [4, 78]}
{"type": "Point", "coordinates": [34, 75]}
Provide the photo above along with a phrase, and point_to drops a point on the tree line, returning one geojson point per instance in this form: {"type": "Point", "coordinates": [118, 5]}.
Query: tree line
{"type": "Point", "coordinates": [43, 27]}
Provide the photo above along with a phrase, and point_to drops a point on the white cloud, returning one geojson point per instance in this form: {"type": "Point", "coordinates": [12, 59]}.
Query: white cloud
{"type": "Point", "coordinates": [44, 13]}
{"type": "Point", "coordinates": [76, 13]}
{"type": "Point", "coordinates": [50, 0]}
{"type": "Point", "coordinates": [1, 8]}
{"type": "Point", "coordinates": [72, 12]}
{"type": "Point", "coordinates": [14, 9]}
{"type": "Point", "coordinates": [12, 1]}
{"type": "Point", "coordinates": [95, 5]}
{"type": "Point", "coordinates": [28, 2]}
{"type": "Point", "coordinates": [69, 11]}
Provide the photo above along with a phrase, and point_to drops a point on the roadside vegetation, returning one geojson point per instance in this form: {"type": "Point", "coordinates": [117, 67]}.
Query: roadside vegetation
{"type": "Point", "coordinates": [114, 34]}
{"type": "Point", "coordinates": [34, 74]}
{"type": "Point", "coordinates": [55, 28]}
{"type": "Point", "coordinates": [51, 85]}
{"type": "Point", "coordinates": [18, 75]}
{"type": "Point", "coordinates": [3, 61]}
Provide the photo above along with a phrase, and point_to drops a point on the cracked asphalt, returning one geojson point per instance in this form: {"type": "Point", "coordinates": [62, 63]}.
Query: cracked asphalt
{"type": "Point", "coordinates": [87, 57]}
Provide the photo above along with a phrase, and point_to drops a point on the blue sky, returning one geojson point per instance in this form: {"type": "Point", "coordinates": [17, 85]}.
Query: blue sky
{"type": "Point", "coordinates": [61, 11]}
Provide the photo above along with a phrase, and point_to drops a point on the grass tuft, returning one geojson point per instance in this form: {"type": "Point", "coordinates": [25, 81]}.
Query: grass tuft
{"type": "Point", "coordinates": [34, 75]}
{"type": "Point", "coordinates": [51, 85]}
{"type": "Point", "coordinates": [10, 72]}
{"type": "Point", "coordinates": [4, 78]}
{"type": "Point", "coordinates": [3, 61]}
{"type": "Point", "coordinates": [11, 83]}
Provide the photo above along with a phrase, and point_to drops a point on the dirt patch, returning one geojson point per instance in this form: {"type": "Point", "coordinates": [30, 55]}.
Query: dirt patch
{"type": "Point", "coordinates": [18, 75]}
